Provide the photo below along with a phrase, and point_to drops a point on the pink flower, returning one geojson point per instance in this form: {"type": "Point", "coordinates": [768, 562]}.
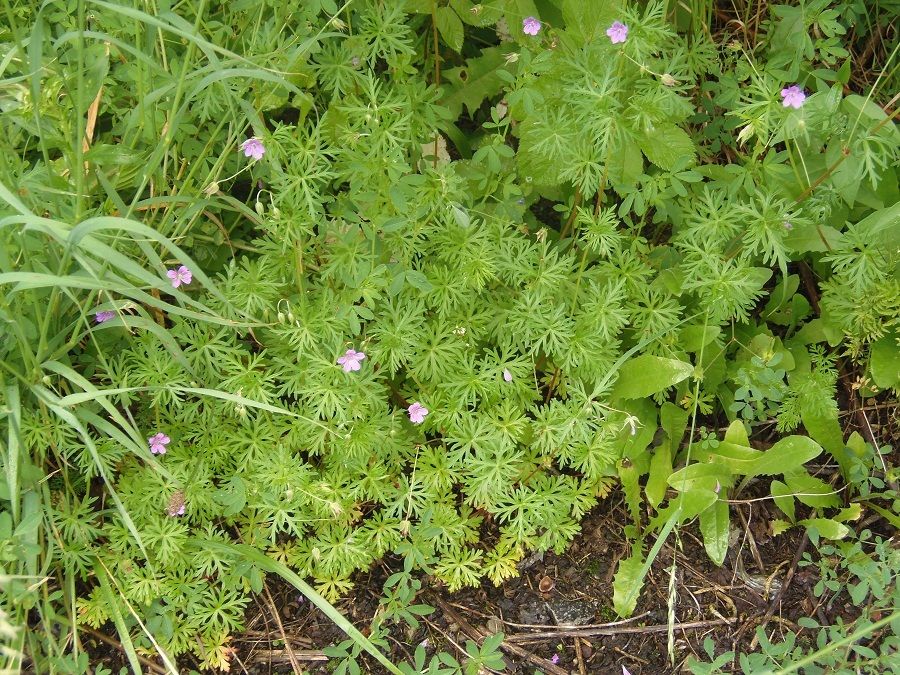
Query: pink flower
{"type": "Point", "coordinates": [792, 97]}
{"type": "Point", "coordinates": [531, 26]}
{"type": "Point", "coordinates": [618, 32]}
{"type": "Point", "coordinates": [253, 147]}
{"type": "Point", "coordinates": [554, 659]}
{"type": "Point", "coordinates": [625, 671]}
{"type": "Point", "coordinates": [158, 443]}
{"type": "Point", "coordinates": [350, 360]}
{"type": "Point", "coordinates": [106, 315]}
{"type": "Point", "coordinates": [507, 376]}
{"type": "Point", "coordinates": [180, 276]}
{"type": "Point", "coordinates": [417, 413]}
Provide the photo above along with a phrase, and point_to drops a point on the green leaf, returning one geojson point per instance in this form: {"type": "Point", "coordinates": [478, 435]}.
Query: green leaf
{"type": "Point", "coordinates": [471, 84]}
{"type": "Point", "coordinates": [826, 527]}
{"type": "Point", "coordinates": [811, 491]}
{"type": "Point", "coordinates": [884, 362]}
{"type": "Point", "coordinates": [737, 434]}
{"type": "Point", "coordinates": [695, 338]}
{"type": "Point", "coordinates": [780, 526]}
{"type": "Point", "coordinates": [786, 455]}
{"type": "Point", "coordinates": [660, 469]}
{"type": "Point", "coordinates": [629, 476]}
{"type": "Point", "coordinates": [701, 475]}
{"type": "Point", "coordinates": [714, 528]}
{"type": "Point", "coordinates": [586, 21]}
{"type": "Point", "coordinates": [673, 419]}
{"type": "Point", "coordinates": [784, 500]}
{"type": "Point", "coordinates": [450, 27]}
{"type": "Point", "coordinates": [627, 583]}
{"type": "Point", "coordinates": [668, 147]}
{"type": "Point", "coordinates": [419, 281]}
{"type": "Point", "coordinates": [647, 375]}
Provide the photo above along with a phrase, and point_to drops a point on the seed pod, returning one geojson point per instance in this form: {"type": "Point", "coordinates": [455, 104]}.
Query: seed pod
{"type": "Point", "coordinates": [176, 504]}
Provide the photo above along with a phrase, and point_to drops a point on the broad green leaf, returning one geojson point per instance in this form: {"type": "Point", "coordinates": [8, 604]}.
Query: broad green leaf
{"type": "Point", "coordinates": [471, 84]}
{"type": "Point", "coordinates": [668, 147]}
{"type": "Point", "coordinates": [714, 528]}
{"type": "Point", "coordinates": [695, 338]}
{"type": "Point", "coordinates": [673, 419]}
{"type": "Point", "coordinates": [851, 513]}
{"type": "Point", "coordinates": [885, 362]}
{"type": "Point", "coordinates": [786, 455]}
{"type": "Point", "coordinates": [857, 444]}
{"type": "Point", "coordinates": [811, 491]}
{"type": "Point", "coordinates": [647, 375]}
{"type": "Point", "coordinates": [686, 506]}
{"type": "Point", "coordinates": [627, 583]}
{"type": "Point", "coordinates": [419, 281]}
{"type": "Point", "coordinates": [702, 475]}
{"type": "Point", "coordinates": [660, 469]}
{"type": "Point", "coordinates": [826, 527]}
{"type": "Point", "coordinates": [450, 27]}
{"type": "Point", "coordinates": [737, 434]}
{"type": "Point", "coordinates": [826, 430]}
{"type": "Point", "coordinates": [783, 498]}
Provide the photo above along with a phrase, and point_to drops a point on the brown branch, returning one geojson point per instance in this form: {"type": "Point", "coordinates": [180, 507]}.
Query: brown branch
{"type": "Point", "coordinates": [474, 633]}
{"type": "Point", "coordinates": [106, 639]}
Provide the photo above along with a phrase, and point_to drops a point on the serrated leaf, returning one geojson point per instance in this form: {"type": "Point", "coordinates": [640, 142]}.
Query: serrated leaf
{"type": "Point", "coordinates": [629, 476]}
{"type": "Point", "coordinates": [668, 147]}
{"type": "Point", "coordinates": [627, 583]}
{"type": "Point", "coordinates": [589, 20]}
{"type": "Point", "coordinates": [780, 527]}
{"type": "Point", "coordinates": [714, 528]}
{"type": "Point", "coordinates": [660, 469]}
{"type": "Point", "coordinates": [450, 27]}
{"type": "Point", "coordinates": [647, 375]}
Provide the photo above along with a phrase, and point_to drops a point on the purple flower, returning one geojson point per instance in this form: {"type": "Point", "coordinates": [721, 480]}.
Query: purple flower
{"type": "Point", "coordinates": [507, 376]}
{"type": "Point", "coordinates": [253, 147]}
{"type": "Point", "coordinates": [531, 26]}
{"type": "Point", "coordinates": [625, 671]}
{"type": "Point", "coordinates": [106, 315]}
{"type": "Point", "coordinates": [554, 659]}
{"type": "Point", "coordinates": [158, 443]}
{"type": "Point", "coordinates": [180, 276]}
{"type": "Point", "coordinates": [350, 360]}
{"type": "Point", "coordinates": [617, 33]}
{"type": "Point", "coordinates": [417, 413]}
{"type": "Point", "coordinates": [792, 97]}
{"type": "Point", "coordinates": [180, 511]}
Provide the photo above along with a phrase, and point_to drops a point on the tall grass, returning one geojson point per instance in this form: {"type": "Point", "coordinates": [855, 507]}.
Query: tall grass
{"type": "Point", "coordinates": [71, 245]}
